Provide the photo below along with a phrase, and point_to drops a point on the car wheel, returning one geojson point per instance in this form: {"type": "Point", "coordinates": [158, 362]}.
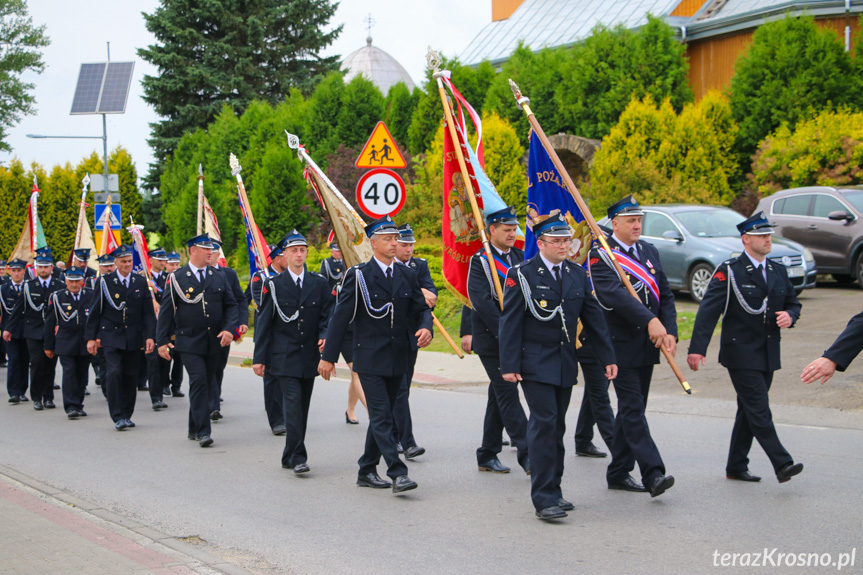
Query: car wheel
{"type": "Point", "coordinates": [699, 279]}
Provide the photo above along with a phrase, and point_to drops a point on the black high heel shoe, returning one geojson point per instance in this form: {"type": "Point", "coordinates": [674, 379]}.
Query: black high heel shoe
{"type": "Point", "coordinates": [351, 421]}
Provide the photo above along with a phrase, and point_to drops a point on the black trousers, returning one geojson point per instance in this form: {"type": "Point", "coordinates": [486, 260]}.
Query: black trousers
{"type": "Point", "coordinates": [754, 419]}
{"type": "Point", "coordinates": [297, 396]}
{"type": "Point", "coordinates": [381, 394]}
{"type": "Point", "coordinates": [274, 402]}
{"type": "Point", "coordinates": [2, 350]}
{"type": "Point", "coordinates": [16, 371]}
{"type": "Point", "coordinates": [121, 380]}
{"type": "Point", "coordinates": [545, 430]}
{"type": "Point", "coordinates": [164, 373]}
{"type": "Point", "coordinates": [143, 373]}
{"type": "Point", "coordinates": [218, 376]}
{"type": "Point", "coordinates": [503, 410]}
{"type": "Point", "coordinates": [99, 369]}
{"type": "Point", "coordinates": [632, 441]}
{"type": "Point", "coordinates": [202, 370]}
{"type": "Point", "coordinates": [176, 370]}
{"type": "Point", "coordinates": [154, 375]}
{"type": "Point", "coordinates": [595, 407]}
{"type": "Point", "coordinates": [402, 408]}
{"type": "Point", "coordinates": [76, 369]}
{"type": "Point", "coordinates": [42, 371]}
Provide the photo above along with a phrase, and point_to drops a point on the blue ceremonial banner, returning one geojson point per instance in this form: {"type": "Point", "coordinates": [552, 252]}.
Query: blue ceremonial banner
{"type": "Point", "coordinates": [547, 195]}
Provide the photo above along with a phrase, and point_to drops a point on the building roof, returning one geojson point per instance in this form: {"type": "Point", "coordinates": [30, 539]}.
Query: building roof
{"type": "Point", "coordinates": [552, 23]}
{"type": "Point", "coordinates": [376, 65]}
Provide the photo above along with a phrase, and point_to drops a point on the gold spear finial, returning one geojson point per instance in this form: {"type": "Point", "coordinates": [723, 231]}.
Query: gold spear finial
{"type": "Point", "coordinates": [235, 165]}
{"type": "Point", "coordinates": [520, 98]}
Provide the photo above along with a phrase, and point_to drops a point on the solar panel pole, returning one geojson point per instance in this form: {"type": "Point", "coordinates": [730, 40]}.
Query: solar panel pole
{"type": "Point", "coordinates": [105, 139]}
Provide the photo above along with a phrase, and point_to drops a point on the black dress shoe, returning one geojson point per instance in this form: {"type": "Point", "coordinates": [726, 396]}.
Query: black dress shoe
{"type": "Point", "coordinates": [215, 415]}
{"type": "Point", "coordinates": [504, 442]}
{"type": "Point", "coordinates": [205, 441]}
{"type": "Point", "coordinates": [37, 405]}
{"type": "Point", "coordinates": [177, 393]}
{"type": "Point", "coordinates": [399, 447]}
{"type": "Point", "coordinates": [14, 399]}
{"type": "Point", "coordinates": [72, 414]}
{"type": "Point", "coordinates": [166, 391]}
{"type": "Point", "coordinates": [493, 465]}
{"type": "Point", "coordinates": [301, 468]}
{"type": "Point", "coordinates": [280, 430]}
{"type": "Point", "coordinates": [553, 512]}
{"type": "Point", "coordinates": [157, 405]}
{"type": "Point", "coordinates": [403, 483]}
{"type": "Point", "coordinates": [787, 471]}
{"type": "Point", "coordinates": [627, 484]}
{"type": "Point", "coordinates": [82, 413]}
{"type": "Point", "coordinates": [526, 465]}
{"type": "Point", "coordinates": [48, 404]}
{"type": "Point", "coordinates": [144, 388]}
{"type": "Point", "coordinates": [23, 398]}
{"type": "Point", "coordinates": [120, 425]}
{"type": "Point", "coordinates": [565, 505]}
{"type": "Point", "coordinates": [130, 423]}
{"type": "Point", "coordinates": [742, 476]}
{"type": "Point", "coordinates": [372, 480]}
{"type": "Point", "coordinates": [661, 484]}
{"type": "Point", "coordinates": [86, 391]}
{"type": "Point", "coordinates": [56, 386]}
{"type": "Point", "coordinates": [191, 437]}
{"type": "Point", "coordinates": [590, 450]}
{"type": "Point", "coordinates": [221, 400]}
{"type": "Point", "coordinates": [351, 421]}
{"type": "Point", "coordinates": [414, 451]}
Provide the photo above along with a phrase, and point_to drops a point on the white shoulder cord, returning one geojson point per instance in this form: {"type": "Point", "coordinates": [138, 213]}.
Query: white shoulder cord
{"type": "Point", "coordinates": [387, 308]}
{"type": "Point", "coordinates": [107, 295]}
{"type": "Point", "coordinates": [282, 315]}
{"type": "Point", "coordinates": [528, 303]}
{"type": "Point", "coordinates": [58, 309]}
{"type": "Point", "coordinates": [487, 269]}
{"type": "Point", "coordinates": [30, 300]}
{"type": "Point", "coordinates": [746, 307]}
{"type": "Point", "coordinates": [3, 303]}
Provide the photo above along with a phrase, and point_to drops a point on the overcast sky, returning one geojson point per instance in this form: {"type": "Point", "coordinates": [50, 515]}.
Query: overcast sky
{"type": "Point", "coordinates": [79, 30]}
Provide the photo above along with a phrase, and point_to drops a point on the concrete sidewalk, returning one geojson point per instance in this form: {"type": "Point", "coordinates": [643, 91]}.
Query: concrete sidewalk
{"type": "Point", "coordinates": [46, 531]}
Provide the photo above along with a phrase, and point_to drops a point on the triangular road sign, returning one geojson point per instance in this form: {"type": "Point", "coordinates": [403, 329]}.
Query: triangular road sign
{"type": "Point", "coordinates": [380, 151]}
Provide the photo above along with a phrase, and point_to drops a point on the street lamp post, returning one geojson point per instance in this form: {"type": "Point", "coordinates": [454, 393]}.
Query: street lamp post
{"type": "Point", "coordinates": [103, 137]}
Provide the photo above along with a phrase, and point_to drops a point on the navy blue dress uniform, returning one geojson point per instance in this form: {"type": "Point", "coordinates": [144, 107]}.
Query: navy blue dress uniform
{"type": "Point", "coordinates": [402, 408]}
{"type": "Point", "coordinates": [121, 318]}
{"type": "Point", "coordinates": [65, 320]}
{"type": "Point", "coordinates": [627, 319]}
{"type": "Point", "coordinates": [381, 309]}
{"type": "Point", "coordinates": [29, 313]}
{"type": "Point", "coordinates": [176, 373]}
{"type": "Point", "coordinates": [158, 368]}
{"type": "Point", "coordinates": [334, 270]}
{"type": "Point", "coordinates": [3, 279]}
{"type": "Point", "coordinates": [503, 408]}
{"type": "Point", "coordinates": [233, 281]}
{"type": "Point", "coordinates": [748, 298]}
{"type": "Point", "coordinates": [198, 305]}
{"type": "Point", "coordinates": [538, 326]}
{"type": "Point", "coordinates": [16, 348]}
{"type": "Point", "coordinates": [848, 345]}
{"type": "Point", "coordinates": [273, 401]}
{"type": "Point", "coordinates": [98, 360]}
{"type": "Point", "coordinates": [292, 319]}
{"type": "Point", "coordinates": [80, 259]}
{"type": "Point", "coordinates": [595, 404]}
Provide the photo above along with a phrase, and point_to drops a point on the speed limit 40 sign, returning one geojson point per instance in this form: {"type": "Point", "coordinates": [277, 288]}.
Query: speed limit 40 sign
{"type": "Point", "coordinates": [380, 192]}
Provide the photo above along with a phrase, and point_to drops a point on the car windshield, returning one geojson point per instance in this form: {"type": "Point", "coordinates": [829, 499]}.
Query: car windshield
{"type": "Point", "coordinates": [711, 223]}
{"type": "Point", "coordinates": [856, 199]}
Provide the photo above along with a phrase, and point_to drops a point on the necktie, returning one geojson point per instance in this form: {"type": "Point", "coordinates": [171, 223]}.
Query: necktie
{"type": "Point", "coordinates": [299, 286]}
{"type": "Point", "coordinates": [76, 298]}
{"type": "Point", "coordinates": [389, 273]}
{"type": "Point", "coordinates": [556, 271]}
{"type": "Point", "coordinates": [17, 289]}
{"type": "Point", "coordinates": [126, 283]}
{"type": "Point", "coordinates": [201, 276]}
{"type": "Point", "coordinates": [506, 258]}
{"type": "Point", "coordinates": [632, 253]}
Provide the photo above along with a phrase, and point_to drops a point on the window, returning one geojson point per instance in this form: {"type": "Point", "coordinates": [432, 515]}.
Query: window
{"type": "Point", "coordinates": [656, 224]}
{"type": "Point", "coordinates": [825, 204]}
{"type": "Point", "coordinates": [794, 205]}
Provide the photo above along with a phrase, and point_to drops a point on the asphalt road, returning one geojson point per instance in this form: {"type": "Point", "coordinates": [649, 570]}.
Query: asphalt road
{"type": "Point", "coordinates": [237, 497]}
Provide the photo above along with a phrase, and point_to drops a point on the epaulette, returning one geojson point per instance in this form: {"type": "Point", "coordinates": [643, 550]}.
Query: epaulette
{"type": "Point", "coordinates": [421, 259]}
{"type": "Point", "coordinates": [315, 274]}
{"type": "Point", "coordinates": [479, 252]}
{"type": "Point", "coordinates": [518, 265]}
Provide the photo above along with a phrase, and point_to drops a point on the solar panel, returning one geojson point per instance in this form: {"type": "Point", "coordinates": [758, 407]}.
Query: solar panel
{"type": "Point", "coordinates": [103, 88]}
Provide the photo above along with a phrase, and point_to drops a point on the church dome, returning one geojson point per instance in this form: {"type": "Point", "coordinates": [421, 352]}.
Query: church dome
{"type": "Point", "coordinates": [376, 65]}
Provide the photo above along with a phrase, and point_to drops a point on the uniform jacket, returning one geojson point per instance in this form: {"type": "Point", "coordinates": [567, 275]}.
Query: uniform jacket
{"type": "Point", "coordinates": [627, 317]}
{"type": "Point", "coordinates": [126, 328]}
{"type": "Point", "coordinates": [30, 316]}
{"type": "Point", "coordinates": [421, 267]}
{"type": "Point", "coordinates": [7, 305]}
{"type": "Point", "coordinates": [485, 315]}
{"type": "Point", "coordinates": [381, 346]}
{"type": "Point", "coordinates": [747, 341]}
{"type": "Point", "coordinates": [160, 280]}
{"type": "Point", "coordinates": [540, 350]}
{"type": "Point", "coordinates": [848, 344]}
{"type": "Point", "coordinates": [256, 283]}
{"type": "Point", "coordinates": [234, 283]}
{"type": "Point", "coordinates": [290, 348]}
{"type": "Point", "coordinates": [333, 270]}
{"type": "Point", "coordinates": [196, 325]}
{"type": "Point", "coordinates": [64, 335]}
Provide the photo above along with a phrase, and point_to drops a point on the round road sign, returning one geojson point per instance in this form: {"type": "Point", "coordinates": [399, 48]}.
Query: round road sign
{"type": "Point", "coordinates": [380, 192]}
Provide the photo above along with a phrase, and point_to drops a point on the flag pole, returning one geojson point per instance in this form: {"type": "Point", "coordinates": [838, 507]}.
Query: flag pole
{"type": "Point", "coordinates": [524, 103]}
{"type": "Point", "coordinates": [82, 211]}
{"type": "Point", "coordinates": [200, 220]}
{"type": "Point", "coordinates": [434, 62]}
{"type": "Point", "coordinates": [106, 226]}
{"type": "Point", "coordinates": [236, 168]}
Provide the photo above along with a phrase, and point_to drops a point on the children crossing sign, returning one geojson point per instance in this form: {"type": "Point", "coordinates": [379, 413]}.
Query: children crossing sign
{"type": "Point", "coordinates": [380, 151]}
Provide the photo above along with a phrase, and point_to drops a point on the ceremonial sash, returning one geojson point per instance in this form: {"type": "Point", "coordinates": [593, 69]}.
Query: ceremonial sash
{"type": "Point", "coordinates": [501, 266]}
{"type": "Point", "coordinates": [637, 270]}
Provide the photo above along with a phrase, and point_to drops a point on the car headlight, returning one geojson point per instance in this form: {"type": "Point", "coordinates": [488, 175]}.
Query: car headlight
{"type": "Point", "coordinates": [807, 255]}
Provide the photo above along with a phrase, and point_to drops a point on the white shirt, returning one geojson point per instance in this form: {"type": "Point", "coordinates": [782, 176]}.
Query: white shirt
{"type": "Point", "coordinates": [295, 277]}
{"type": "Point", "coordinates": [124, 279]}
{"type": "Point", "coordinates": [625, 246]}
{"type": "Point", "coordinates": [385, 267]}
{"type": "Point", "coordinates": [550, 265]}
{"type": "Point", "coordinates": [758, 265]}
{"type": "Point", "coordinates": [195, 271]}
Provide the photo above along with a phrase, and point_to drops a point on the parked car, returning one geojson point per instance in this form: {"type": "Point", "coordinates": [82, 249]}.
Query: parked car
{"type": "Point", "coordinates": [693, 239]}
{"type": "Point", "coordinates": [827, 221]}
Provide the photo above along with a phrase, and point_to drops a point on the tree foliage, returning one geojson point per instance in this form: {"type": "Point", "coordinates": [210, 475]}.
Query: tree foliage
{"type": "Point", "coordinates": [826, 150]}
{"type": "Point", "coordinates": [20, 56]}
{"type": "Point", "coordinates": [791, 71]}
{"type": "Point", "coordinates": [663, 157]}
{"type": "Point", "coordinates": [209, 54]}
